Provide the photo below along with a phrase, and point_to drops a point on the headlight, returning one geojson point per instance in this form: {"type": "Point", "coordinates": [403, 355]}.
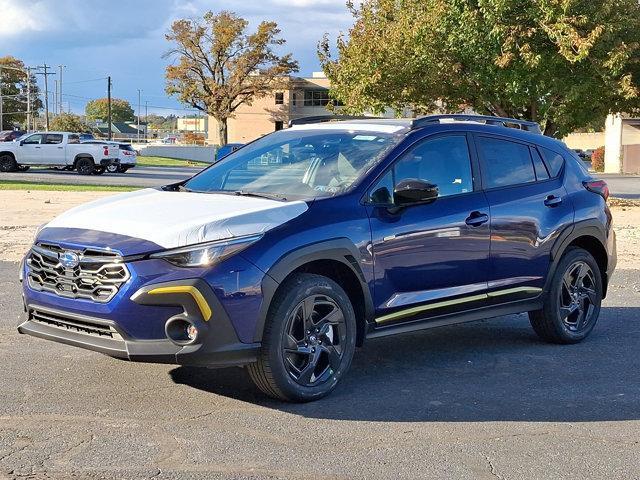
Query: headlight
{"type": "Point", "coordinates": [204, 254]}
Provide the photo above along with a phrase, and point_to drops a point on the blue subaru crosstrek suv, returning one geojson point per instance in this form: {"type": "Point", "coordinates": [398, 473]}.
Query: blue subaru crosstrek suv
{"type": "Point", "coordinates": [294, 249]}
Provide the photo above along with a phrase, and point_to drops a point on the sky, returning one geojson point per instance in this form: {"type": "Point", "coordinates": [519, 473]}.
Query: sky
{"type": "Point", "coordinates": [125, 39]}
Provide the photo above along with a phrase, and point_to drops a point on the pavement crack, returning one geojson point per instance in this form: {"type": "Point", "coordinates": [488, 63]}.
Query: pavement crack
{"type": "Point", "coordinates": [492, 468]}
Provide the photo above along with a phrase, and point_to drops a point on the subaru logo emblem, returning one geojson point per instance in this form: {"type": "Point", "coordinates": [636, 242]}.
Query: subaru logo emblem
{"type": "Point", "coordinates": [69, 259]}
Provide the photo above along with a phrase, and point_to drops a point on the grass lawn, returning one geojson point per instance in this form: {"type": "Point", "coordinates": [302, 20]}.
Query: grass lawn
{"type": "Point", "coordinates": [167, 162]}
{"type": "Point", "coordinates": [17, 185]}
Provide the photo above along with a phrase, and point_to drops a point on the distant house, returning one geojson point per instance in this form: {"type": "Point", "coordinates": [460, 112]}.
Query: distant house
{"type": "Point", "coordinates": [121, 129]}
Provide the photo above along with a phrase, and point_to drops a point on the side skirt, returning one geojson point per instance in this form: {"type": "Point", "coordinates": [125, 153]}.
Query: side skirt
{"type": "Point", "coordinates": [482, 313]}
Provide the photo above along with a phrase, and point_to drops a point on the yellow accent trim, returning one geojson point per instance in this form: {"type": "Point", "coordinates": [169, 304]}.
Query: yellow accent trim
{"type": "Point", "coordinates": [473, 298]}
{"type": "Point", "coordinates": [509, 291]}
{"type": "Point", "coordinates": [193, 291]}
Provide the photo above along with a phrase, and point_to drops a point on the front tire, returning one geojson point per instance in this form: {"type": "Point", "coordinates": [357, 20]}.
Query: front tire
{"type": "Point", "coordinates": [572, 306]}
{"type": "Point", "coordinates": [308, 342]}
{"type": "Point", "coordinates": [85, 166]}
{"type": "Point", "coordinates": [8, 164]}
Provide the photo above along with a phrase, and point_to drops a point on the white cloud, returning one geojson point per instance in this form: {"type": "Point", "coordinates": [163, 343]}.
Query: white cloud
{"type": "Point", "coordinates": [17, 18]}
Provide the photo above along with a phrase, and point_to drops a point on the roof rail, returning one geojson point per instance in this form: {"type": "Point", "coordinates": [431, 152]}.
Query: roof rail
{"type": "Point", "coordinates": [326, 118]}
{"type": "Point", "coordinates": [486, 119]}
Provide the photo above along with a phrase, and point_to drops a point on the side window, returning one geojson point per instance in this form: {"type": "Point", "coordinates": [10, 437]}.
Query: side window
{"type": "Point", "coordinates": [505, 163]}
{"type": "Point", "coordinates": [553, 160]}
{"type": "Point", "coordinates": [33, 139]}
{"type": "Point", "coordinates": [443, 161]}
{"type": "Point", "coordinates": [538, 164]}
{"type": "Point", "coordinates": [74, 139]}
{"type": "Point", "coordinates": [53, 139]}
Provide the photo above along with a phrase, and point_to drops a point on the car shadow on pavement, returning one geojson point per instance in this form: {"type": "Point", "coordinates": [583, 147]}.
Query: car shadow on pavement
{"type": "Point", "coordinates": [493, 370]}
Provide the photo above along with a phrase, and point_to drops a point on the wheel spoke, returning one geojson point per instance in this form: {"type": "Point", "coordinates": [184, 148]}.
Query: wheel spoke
{"type": "Point", "coordinates": [590, 295]}
{"type": "Point", "coordinates": [582, 272]}
{"type": "Point", "coordinates": [307, 312]}
{"type": "Point", "coordinates": [334, 356]}
{"type": "Point", "coordinates": [307, 372]}
{"type": "Point", "coordinates": [565, 312]}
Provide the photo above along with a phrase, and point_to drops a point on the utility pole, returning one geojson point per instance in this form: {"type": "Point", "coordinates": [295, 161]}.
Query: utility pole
{"type": "Point", "coordinates": [109, 104]}
{"type": "Point", "coordinates": [61, 106]}
{"type": "Point", "coordinates": [139, 112]}
{"type": "Point", "coordinates": [55, 97]}
{"type": "Point", "coordinates": [1, 102]}
{"type": "Point", "coordinates": [28, 71]}
{"type": "Point", "coordinates": [45, 67]}
{"type": "Point", "coordinates": [146, 119]}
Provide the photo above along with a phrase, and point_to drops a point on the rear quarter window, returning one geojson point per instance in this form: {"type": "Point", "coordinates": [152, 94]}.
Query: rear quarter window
{"type": "Point", "coordinates": [505, 163]}
{"type": "Point", "coordinates": [553, 160]}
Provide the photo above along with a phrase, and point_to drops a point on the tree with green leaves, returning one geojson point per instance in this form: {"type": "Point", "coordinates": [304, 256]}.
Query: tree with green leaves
{"type": "Point", "coordinates": [221, 67]}
{"type": "Point", "coordinates": [563, 63]}
{"type": "Point", "coordinates": [14, 87]}
{"type": "Point", "coordinates": [98, 109]}
{"type": "Point", "coordinates": [68, 122]}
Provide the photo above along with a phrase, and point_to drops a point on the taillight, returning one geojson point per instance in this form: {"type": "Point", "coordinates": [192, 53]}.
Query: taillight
{"type": "Point", "coordinates": [106, 151]}
{"type": "Point", "coordinates": [597, 186]}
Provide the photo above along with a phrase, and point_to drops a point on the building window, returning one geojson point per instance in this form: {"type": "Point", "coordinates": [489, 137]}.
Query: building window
{"type": "Point", "coordinates": [319, 98]}
{"type": "Point", "coordinates": [279, 98]}
{"type": "Point", "coordinates": [279, 125]}
{"type": "Point", "coordinates": [294, 99]}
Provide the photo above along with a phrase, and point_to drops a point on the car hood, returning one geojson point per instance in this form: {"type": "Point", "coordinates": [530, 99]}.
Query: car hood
{"type": "Point", "coordinates": [176, 219]}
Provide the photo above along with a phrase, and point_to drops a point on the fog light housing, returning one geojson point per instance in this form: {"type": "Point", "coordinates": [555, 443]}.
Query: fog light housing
{"type": "Point", "coordinates": [181, 331]}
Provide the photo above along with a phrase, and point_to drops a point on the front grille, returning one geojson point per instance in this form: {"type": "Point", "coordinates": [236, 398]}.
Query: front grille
{"type": "Point", "coordinates": [79, 325]}
{"type": "Point", "coordinates": [97, 276]}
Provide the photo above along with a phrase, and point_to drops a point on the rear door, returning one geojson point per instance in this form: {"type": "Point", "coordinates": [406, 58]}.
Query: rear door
{"type": "Point", "coordinates": [529, 208]}
{"type": "Point", "coordinates": [52, 149]}
{"type": "Point", "coordinates": [430, 259]}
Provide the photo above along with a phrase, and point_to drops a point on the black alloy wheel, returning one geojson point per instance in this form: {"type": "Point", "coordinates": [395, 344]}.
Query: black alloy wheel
{"type": "Point", "coordinates": [572, 303]}
{"type": "Point", "coordinates": [7, 164]}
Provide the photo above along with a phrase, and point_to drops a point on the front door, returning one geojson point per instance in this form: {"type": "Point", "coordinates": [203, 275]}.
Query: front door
{"type": "Point", "coordinates": [30, 149]}
{"type": "Point", "coordinates": [430, 259]}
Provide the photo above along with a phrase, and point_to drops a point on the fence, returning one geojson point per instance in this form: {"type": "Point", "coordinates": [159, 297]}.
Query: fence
{"type": "Point", "coordinates": [180, 152]}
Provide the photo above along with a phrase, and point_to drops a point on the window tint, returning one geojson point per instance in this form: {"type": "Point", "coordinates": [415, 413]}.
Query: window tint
{"type": "Point", "coordinates": [53, 139]}
{"type": "Point", "coordinates": [33, 139]}
{"type": "Point", "coordinates": [554, 161]}
{"type": "Point", "coordinates": [74, 139]}
{"type": "Point", "coordinates": [505, 163]}
{"type": "Point", "coordinates": [538, 164]}
{"type": "Point", "coordinates": [443, 161]}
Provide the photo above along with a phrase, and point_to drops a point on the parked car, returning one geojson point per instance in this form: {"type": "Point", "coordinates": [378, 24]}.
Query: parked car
{"type": "Point", "coordinates": [355, 230]}
{"type": "Point", "coordinates": [10, 135]}
{"type": "Point", "coordinates": [84, 137]}
{"type": "Point", "coordinates": [127, 157]}
{"type": "Point", "coordinates": [225, 150]}
{"type": "Point", "coordinates": [57, 149]}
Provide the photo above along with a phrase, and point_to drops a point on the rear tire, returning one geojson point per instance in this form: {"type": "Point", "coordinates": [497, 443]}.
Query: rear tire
{"type": "Point", "coordinates": [572, 306]}
{"type": "Point", "coordinates": [122, 169]}
{"type": "Point", "coordinates": [308, 341]}
{"type": "Point", "coordinates": [8, 164]}
{"type": "Point", "coordinates": [85, 166]}
{"type": "Point", "coordinates": [112, 168]}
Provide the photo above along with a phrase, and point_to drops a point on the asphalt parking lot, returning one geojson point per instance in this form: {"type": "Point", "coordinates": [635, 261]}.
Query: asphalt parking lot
{"type": "Point", "coordinates": [485, 400]}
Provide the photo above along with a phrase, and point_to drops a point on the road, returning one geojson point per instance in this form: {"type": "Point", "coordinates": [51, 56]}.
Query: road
{"type": "Point", "coordinates": [136, 177]}
{"type": "Point", "coordinates": [486, 400]}
{"type": "Point", "coordinates": [622, 186]}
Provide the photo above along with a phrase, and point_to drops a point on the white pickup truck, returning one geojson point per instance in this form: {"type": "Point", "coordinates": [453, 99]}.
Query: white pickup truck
{"type": "Point", "coordinates": [57, 149]}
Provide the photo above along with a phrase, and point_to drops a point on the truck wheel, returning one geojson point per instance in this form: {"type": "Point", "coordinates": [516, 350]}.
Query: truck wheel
{"type": "Point", "coordinates": [8, 164]}
{"type": "Point", "coordinates": [85, 166]}
{"type": "Point", "coordinates": [113, 168]}
{"type": "Point", "coordinates": [122, 169]}
{"type": "Point", "coordinates": [308, 342]}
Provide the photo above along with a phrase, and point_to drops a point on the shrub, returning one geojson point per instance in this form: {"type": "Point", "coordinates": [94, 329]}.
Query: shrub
{"type": "Point", "coordinates": [597, 159]}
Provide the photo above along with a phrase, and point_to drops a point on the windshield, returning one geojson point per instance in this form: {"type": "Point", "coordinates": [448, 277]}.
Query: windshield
{"type": "Point", "coordinates": [299, 164]}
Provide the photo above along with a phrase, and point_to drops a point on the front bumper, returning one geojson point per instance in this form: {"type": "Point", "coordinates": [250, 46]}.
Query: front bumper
{"type": "Point", "coordinates": [133, 325]}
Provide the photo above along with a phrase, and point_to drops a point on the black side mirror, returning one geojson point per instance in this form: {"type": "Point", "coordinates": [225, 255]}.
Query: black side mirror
{"type": "Point", "coordinates": [414, 192]}
{"type": "Point", "coordinates": [21, 142]}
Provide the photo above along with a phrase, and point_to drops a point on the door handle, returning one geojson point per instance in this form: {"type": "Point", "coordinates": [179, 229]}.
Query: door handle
{"type": "Point", "coordinates": [475, 219]}
{"type": "Point", "coordinates": [552, 201]}
{"type": "Point", "coordinates": [59, 148]}
{"type": "Point", "coordinates": [37, 147]}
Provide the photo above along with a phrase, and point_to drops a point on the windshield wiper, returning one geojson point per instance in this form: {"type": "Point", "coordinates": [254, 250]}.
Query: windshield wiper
{"type": "Point", "coordinates": [271, 196]}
